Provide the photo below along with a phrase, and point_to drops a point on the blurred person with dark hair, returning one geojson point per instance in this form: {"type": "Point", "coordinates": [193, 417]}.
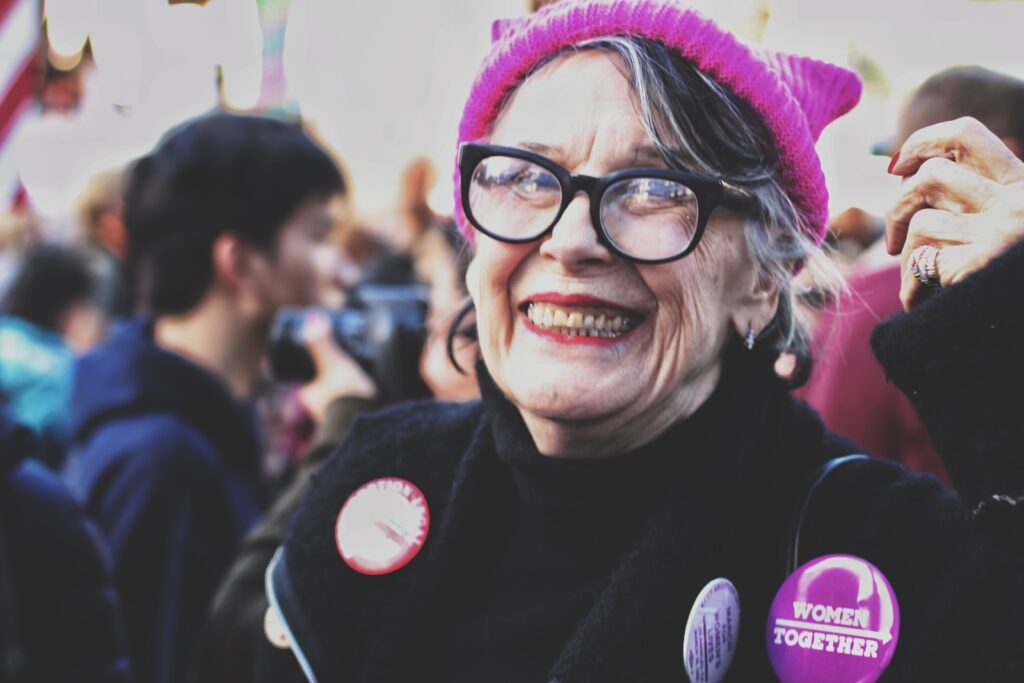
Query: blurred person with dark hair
{"type": "Point", "coordinates": [995, 99]}
{"type": "Point", "coordinates": [59, 616]}
{"type": "Point", "coordinates": [227, 221]}
{"type": "Point", "coordinates": [100, 218]}
{"type": "Point", "coordinates": [339, 393]}
{"type": "Point", "coordinates": [847, 386]}
{"type": "Point", "coordinates": [47, 319]}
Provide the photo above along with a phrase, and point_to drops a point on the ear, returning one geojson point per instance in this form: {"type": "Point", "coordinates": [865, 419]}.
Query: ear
{"type": "Point", "coordinates": [238, 267]}
{"type": "Point", "coordinates": [229, 261]}
{"type": "Point", "coordinates": [756, 308]}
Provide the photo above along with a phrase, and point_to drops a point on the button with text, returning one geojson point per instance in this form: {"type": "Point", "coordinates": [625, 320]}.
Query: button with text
{"type": "Point", "coordinates": [834, 619]}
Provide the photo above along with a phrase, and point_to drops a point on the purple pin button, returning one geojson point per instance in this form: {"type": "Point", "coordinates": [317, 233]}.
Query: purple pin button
{"type": "Point", "coordinates": [834, 619]}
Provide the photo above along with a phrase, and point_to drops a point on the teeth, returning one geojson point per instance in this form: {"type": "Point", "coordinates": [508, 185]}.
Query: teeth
{"type": "Point", "coordinates": [577, 323]}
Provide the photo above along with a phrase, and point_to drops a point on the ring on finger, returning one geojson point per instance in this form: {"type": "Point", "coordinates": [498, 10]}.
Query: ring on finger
{"type": "Point", "coordinates": [924, 265]}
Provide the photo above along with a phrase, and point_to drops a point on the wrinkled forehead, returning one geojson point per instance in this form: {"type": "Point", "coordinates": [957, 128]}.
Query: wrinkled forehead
{"type": "Point", "coordinates": [571, 78]}
{"type": "Point", "coordinates": [570, 103]}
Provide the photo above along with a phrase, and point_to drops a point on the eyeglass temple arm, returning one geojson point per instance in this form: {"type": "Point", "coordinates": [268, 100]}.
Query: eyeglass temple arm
{"type": "Point", "coordinates": [736, 197]}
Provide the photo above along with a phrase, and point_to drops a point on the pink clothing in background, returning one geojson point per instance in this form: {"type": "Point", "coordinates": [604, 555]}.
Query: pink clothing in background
{"type": "Point", "coordinates": [847, 386]}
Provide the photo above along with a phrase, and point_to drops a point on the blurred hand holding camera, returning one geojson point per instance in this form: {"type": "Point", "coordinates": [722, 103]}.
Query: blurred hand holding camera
{"type": "Point", "coordinates": [337, 374]}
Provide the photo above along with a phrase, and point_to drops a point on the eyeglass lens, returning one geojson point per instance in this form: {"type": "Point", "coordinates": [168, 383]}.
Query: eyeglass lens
{"type": "Point", "coordinates": [647, 218]}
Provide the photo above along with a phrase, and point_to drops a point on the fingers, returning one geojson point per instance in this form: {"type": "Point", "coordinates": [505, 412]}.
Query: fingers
{"type": "Point", "coordinates": [953, 263]}
{"type": "Point", "coordinates": [938, 184]}
{"type": "Point", "coordinates": [929, 227]}
{"type": "Point", "coordinates": [963, 194]}
{"type": "Point", "coordinates": [316, 327]}
{"type": "Point", "coordinates": [964, 141]}
{"type": "Point", "coordinates": [963, 243]}
{"type": "Point", "coordinates": [337, 373]}
{"type": "Point", "coordinates": [328, 356]}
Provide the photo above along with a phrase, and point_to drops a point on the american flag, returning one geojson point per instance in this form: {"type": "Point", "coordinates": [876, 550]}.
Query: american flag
{"type": "Point", "coordinates": [20, 40]}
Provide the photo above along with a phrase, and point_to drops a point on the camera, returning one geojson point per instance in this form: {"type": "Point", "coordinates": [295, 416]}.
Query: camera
{"type": "Point", "coordinates": [383, 329]}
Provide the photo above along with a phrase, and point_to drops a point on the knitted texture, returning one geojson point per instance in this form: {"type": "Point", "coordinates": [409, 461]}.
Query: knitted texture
{"type": "Point", "coordinates": [796, 96]}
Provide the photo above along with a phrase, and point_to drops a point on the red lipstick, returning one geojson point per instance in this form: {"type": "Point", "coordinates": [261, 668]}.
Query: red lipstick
{"type": "Point", "coordinates": [577, 301]}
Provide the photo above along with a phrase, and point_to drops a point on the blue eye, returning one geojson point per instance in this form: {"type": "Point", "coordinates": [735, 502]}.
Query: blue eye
{"type": "Point", "coordinates": [653, 194]}
{"type": "Point", "coordinates": [515, 175]}
{"type": "Point", "coordinates": [533, 179]}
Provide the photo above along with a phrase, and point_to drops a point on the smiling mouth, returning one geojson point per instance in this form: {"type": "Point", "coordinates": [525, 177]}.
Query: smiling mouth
{"type": "Point", "coordinates": [580, 321]}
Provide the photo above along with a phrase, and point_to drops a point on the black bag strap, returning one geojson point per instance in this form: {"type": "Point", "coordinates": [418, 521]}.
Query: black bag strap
{"type": "Point", "coordinates": [819, 477]}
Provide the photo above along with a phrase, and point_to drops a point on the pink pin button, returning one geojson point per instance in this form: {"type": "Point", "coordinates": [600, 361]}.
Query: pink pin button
{"type": "Point", "coordinates": [382, 526]}
{"type": "Point", "coordinates": [834, 619]}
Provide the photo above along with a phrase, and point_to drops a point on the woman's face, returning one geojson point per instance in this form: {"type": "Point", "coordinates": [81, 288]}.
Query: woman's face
{"type": "Point", "coordinates": [584, 396]}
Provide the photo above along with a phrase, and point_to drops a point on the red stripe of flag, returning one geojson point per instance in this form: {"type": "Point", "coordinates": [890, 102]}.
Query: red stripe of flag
{"type": "Point", "coordinates": [5, 8]}
{"type": "Point", "coordinates": [18, 94]}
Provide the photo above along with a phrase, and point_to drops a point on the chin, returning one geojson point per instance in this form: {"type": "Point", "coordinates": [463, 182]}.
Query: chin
{"type": "Point", "coordinates": [570, 400]}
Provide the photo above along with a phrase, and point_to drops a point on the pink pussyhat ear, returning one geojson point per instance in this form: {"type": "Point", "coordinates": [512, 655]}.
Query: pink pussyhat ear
{"type": "Point", "coordinates": [824, 91]}
{"type": "Point", "coordinates": [502, 28]}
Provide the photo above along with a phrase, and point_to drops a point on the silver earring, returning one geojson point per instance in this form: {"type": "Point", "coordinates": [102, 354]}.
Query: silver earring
{"type": "Point", "coordinates": [749, 340]}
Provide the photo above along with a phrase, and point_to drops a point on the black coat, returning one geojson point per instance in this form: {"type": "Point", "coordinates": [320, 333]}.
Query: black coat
{"type": "Point", "coordinates": [167, 463]}
{"type": "Point", "coordinates": [59, 616]}
{"type": "Point", "coordinates": [726, 511]}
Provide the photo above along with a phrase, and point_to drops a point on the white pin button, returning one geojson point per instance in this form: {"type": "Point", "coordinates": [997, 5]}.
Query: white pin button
{"type": "Point", "coordinates": [382, 526]}
{"type": "Point", "coordinates": [273, 629]}
{"type": "Point", "coordinates": [712, 632]}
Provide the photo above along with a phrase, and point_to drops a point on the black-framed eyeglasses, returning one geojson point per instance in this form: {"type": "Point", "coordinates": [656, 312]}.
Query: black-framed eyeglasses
{"type": "Point", "coordinates": [645, 215]}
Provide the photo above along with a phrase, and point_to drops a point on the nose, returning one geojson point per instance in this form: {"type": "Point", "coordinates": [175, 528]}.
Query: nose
{"type": "Point", "coordinates": [574, 241]}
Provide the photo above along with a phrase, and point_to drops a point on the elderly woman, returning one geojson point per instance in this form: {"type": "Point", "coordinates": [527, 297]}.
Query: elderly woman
{"type": "Point", "coordinates": [641, 190]}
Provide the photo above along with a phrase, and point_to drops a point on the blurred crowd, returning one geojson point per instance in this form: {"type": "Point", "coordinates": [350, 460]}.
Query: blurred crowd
{"type": "Point", "coordinates": [224, 309]}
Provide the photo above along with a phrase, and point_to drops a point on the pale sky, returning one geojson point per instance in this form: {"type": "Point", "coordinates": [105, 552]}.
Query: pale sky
{"type": "Point", "coordinates": [385, 81]}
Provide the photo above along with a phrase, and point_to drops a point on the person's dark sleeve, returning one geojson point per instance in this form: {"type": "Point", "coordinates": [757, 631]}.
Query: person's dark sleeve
{"type": "Point", "coordinates": [959, 357]}
{"type": "Point", "coordinates": [172, 535]}
{"type": "Point", "coordinates": [68, 614]}
{"type": "Point", "coordinates": [228, 648]}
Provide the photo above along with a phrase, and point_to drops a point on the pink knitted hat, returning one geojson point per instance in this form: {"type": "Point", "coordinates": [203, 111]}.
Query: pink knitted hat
{"type": "Point", "coordinates": [796, 96]}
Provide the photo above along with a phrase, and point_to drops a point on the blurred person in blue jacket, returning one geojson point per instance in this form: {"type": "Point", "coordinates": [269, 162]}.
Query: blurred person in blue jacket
{"type": "Point", "coordinates": [227, 221]}
{"type": "Point", "coordinates": [59, 617]}
{"type": "Point", "coordinates": [47, 319]}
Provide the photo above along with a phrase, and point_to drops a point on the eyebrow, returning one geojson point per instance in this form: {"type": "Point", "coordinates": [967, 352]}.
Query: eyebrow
{"type": "Point", "coordinates": [643, 153]}
{"type": "Point", "coordinates": [648, 153]}
{"type": "Point", "coordinates": [541, 148]}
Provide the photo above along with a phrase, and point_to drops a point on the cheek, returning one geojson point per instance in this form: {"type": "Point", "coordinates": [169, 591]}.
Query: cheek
{"type": "Point", "coordinates": [491, 275]}
{"type": "Point", "coordinates": [304, 266]}
{"type": "Point", "coordinates": [693, 309]}
{"type": "Point", "coordinates": [325, 261]}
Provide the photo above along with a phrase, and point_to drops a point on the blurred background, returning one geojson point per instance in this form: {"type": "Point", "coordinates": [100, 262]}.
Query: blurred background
{"type": "Point", "coordinates": [89, 84]}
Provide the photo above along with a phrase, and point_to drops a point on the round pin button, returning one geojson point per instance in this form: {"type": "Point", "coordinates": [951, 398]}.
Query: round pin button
{"type": "Point", "coordinates": [382, 526]}
{"type": "Point", "coordinates": [273, 629]}
{"type": "Point", "coordinates": [836, 618]}
{"type": "Point", "coordinates": [712, 632]}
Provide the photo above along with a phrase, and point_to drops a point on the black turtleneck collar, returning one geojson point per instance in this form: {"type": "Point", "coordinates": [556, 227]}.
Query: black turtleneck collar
{"type": "Point", "coordinates": [584, 481]}
{"type": "Point", "coordinates": [578, 483]}
{"type": "Point", "coordinates": [559, 528]}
